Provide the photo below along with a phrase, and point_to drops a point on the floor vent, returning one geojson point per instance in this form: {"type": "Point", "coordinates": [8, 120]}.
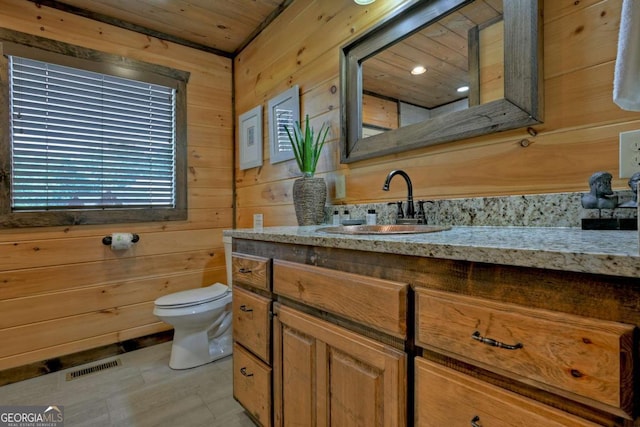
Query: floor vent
{"type": "Point", "coordinates": [93, 369]}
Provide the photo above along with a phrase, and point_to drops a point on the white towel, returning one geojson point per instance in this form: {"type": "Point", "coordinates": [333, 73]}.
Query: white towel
{"type": "Point", "coordinates": [626, 81]}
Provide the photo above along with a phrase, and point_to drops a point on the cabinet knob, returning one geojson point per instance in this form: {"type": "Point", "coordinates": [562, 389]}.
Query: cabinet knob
{"type": "Point", "coordinates": [243, 371]}
{"type": "Point", "coordinates": [245, 309]}
{"type": "Point", "coordinates": [476, 336]}
{"type": "Point", "coordinates": [474, 422]}
{"type": "Point", "coordinates": [244, 270]}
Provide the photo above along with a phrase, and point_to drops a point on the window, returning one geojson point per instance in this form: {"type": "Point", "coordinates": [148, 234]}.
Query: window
{"type": "Point", "coordinates": [91, 141]}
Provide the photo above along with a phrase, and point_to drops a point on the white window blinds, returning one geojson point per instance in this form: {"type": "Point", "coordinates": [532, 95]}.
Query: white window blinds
{"type": "Point", "coordinates": [87, 140]}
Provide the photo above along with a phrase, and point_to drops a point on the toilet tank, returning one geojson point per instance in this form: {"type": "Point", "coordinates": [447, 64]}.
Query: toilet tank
{"type": "Point", "coordinates": [227, 240]}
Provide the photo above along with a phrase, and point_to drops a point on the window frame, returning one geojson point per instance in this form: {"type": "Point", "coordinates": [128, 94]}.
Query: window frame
{"type": "Point", "coordinates": [39, 48]}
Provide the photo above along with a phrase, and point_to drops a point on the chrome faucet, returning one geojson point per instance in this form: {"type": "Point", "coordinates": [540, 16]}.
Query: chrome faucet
{"type": "Point", "coordinates": [410, 209]}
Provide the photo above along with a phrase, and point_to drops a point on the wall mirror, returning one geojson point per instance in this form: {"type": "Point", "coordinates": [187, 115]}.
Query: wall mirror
{"type": "Point", "coordinates": [491, 47]}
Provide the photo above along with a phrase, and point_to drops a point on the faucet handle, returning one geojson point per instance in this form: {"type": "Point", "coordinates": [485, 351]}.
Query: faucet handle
{"type": "Point", "coordinates": [420, 215]}
{"type": "Point", "coordinates": [400, 211]}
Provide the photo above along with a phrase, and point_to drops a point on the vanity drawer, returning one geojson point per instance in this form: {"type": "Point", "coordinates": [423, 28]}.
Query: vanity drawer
{"type": "Point", "coordinates": [251, 270]}
{"type": "Point", "coordinates": [252, 322]}
{"type": "Point", "coordinates": [381, 304]}
{"type": "Point", "coordinates": [445, 397]}
{"type": "Point", "coordinates": [252, 385]}
{"type": "Point", "coordinates": [570, 355]}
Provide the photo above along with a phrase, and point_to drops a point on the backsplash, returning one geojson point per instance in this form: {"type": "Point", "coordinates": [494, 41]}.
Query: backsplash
{"type": "Point", "coordinates": [536, 210]}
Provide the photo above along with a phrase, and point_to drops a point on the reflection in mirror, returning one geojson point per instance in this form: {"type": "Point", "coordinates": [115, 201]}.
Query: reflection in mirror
{"type": "Point", "coordinates": [446, 66]}
{"type": "Point", "coordinates": [483, 45]}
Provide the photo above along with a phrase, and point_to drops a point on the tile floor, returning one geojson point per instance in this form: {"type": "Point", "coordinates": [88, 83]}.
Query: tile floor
{"type": "Point", "coordinates": [143, 391]}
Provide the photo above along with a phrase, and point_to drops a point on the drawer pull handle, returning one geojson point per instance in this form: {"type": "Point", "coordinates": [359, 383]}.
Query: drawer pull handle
{"type": "Point", "coordinates": [474, 422]}
{"type": "Point", "coordinates": [476, 336]}
{"type": "Point", "coordinates": [244, 270]}
{"type": "Point", "coordinates": [245, 309]}
{"type": "Point", "coordinates": [243, 371]}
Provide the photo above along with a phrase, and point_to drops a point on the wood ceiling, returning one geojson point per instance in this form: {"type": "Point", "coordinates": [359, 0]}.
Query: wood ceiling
{"type": "Point", "coordinates": [223, 27]}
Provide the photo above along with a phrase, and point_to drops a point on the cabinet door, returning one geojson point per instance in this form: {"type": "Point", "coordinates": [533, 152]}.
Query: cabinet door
{"type": "Point", "coordinates": [325, 375]}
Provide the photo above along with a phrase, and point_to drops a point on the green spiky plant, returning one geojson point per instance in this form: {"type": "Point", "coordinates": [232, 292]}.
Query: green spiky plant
{"type": "Point", "coordinates": [307, 146]}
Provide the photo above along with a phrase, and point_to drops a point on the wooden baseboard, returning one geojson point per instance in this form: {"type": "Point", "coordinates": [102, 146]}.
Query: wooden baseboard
{"type": "Point", "coordinates": [48, 366]}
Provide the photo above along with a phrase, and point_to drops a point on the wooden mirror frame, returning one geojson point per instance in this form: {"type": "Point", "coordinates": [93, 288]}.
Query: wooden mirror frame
{"type": "Point", "coordinates": [521, 106]}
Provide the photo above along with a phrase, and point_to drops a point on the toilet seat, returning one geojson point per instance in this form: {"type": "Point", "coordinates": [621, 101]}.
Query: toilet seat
{"type": "Point", "coordinates": [193, 297]}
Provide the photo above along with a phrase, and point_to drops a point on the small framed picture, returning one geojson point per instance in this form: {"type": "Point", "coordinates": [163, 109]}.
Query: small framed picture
{"type": "Point", "coordinates": [251, 138]}
{"type": "Point", "coordinates": [284, 110]}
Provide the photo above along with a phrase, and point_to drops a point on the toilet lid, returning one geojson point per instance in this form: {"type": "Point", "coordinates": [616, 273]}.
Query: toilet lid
{"type": "Point", "coordinates": [193, 296]}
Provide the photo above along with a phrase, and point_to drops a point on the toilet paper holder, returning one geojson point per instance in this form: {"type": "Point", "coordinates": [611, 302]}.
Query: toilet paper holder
{"type": "Point", "coordinates": [106, 240]}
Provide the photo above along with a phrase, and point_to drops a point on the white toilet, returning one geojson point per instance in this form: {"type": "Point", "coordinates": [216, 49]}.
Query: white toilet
{"type": "Point", "coordinates": [201, 319]}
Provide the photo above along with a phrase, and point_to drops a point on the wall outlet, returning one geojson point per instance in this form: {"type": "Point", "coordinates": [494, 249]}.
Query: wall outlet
{"type": "Point", "coordinates": [629, 153]}
{"type": "Point", "coordinates": [341, 188]}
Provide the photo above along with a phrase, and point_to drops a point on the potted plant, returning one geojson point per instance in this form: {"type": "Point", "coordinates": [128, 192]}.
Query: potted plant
{"type": "Point", "coordinates": [305, 148]}
{"type": "Point", "coordinates": [309, 193]}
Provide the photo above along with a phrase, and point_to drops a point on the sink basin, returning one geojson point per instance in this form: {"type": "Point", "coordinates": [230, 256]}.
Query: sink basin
{"type": "Point", "coordinates": [384, 229]}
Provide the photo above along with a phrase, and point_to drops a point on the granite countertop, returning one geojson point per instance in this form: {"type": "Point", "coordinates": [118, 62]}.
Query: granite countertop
{"type": "Point", "coordinates": [570, 249]}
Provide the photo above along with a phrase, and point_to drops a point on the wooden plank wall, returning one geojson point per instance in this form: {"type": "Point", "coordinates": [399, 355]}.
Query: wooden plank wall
{"type": "Point", "coordinates": [61, 289]}
{"type": "Point", "coordinates": [578, 137]}
{"type": "Point", "coordinates": [381, 112]}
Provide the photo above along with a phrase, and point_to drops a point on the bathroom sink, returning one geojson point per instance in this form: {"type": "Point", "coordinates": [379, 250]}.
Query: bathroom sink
{"type": "Point", "coordinates": [384, 229]}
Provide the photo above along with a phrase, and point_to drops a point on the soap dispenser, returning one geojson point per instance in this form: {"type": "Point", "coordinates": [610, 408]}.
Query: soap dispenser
{"type": "Point", "coordinates": [372, 217]}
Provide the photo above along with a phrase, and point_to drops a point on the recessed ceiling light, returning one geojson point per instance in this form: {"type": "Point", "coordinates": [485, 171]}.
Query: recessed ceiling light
{"type": "Point", "coordinates": [418, 70]}
{"type": "Point", "coordinates": [463, 89]}
{"type": "Point", "coordinates": [363, 2]}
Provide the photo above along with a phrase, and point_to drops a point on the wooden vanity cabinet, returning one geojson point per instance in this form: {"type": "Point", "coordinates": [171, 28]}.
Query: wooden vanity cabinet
{"type": "Point", "coordinates": [252, 370]}
{"type": "Point", "coordinates": [379, 339]}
